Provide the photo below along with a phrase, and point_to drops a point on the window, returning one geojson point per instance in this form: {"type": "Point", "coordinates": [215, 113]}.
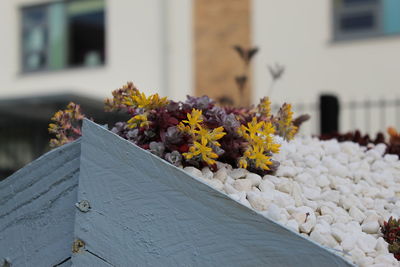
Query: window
{"type": "Point", "coordinates": [354, 19]}
{"type": "Point", "coordinates": [63, 34]}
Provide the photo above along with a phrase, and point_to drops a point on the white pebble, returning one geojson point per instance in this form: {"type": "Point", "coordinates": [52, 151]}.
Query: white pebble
{"type": "Point", "coordinates": [286, 171]}
{"type": "Point", "coordinates": [229, 189]}
{"type": "Point", "coordinates": [242, 185]}
{"type": "Point", "coordinates": [356, 214]}
{"type": "Point", "coordinates": [371, 227]}
{"type": "Point", "coordinates": [237, 173]}
{"type": "Point", "coordinates": [266, 186]}
{"type": "Point", "coordinates": [254, 178]}
{"type": "Point", "coordinates": [259, 201]}
{"type": "Point", "coordinates": [274, 212]}
{"type": "Point", "coordinates": [193, 171]}
{"type": "Point", "coordinates": [207, 173]}
{"type": "Point", "coordinates": [285, 187]}
{"type": "Point", "coordinates": [221, 174]}
{"type": "Point", "coordinates": [215, 183]}
{"type": "Point", "coordinates": [292, 224]}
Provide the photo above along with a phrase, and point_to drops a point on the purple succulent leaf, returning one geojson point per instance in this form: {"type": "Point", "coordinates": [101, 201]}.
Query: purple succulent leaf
{"type": "Point", "coordinates": [157, 148]}
{"type": "Point", "coordinates": [203, 102]}
{"type": "Point", "coordinates": [173, 136]}
{"type": "Point", "coordinates": [174, 158]}
{"type": "Point", "coordinates": [230, 123]}
{"type": "Point", "coordinates": [174, 106]}
{"type": "Point", "coordinates": [149, 134]}
{"type": "Point", "coordinates": [133, 134]}
{"type": "Point", "coordinates": [218, 150]}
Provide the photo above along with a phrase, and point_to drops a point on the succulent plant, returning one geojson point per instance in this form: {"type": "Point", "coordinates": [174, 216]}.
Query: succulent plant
{"type": "Point", "coordinates": [195, 132]}
{"type": "Point", "coordinates": [117, 102]}
{"type": "Point", "coordinates": [391, 234]}
{"type": "Point", "coordinates": [394, 136]}
{"type": "Point", "coordinates": [174, 158]}
{"type": "Point", "coordinates": [157, 148]}
{"type": "Point", "coordinates": [202, 103]}
{"type": "Point", "coordinates": [284, 124]}
{"type": "Point", "coordinates": [66, 125]}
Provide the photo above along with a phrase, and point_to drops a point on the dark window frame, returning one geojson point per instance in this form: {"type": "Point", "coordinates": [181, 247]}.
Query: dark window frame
{"type": "Point", "coordinates": [375, 7]}
{"type": "Point", "coordinates": [23, 70]}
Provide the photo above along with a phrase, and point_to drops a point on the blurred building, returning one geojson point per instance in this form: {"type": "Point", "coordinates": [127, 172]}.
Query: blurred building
{"type": "Point", "coordinates": [56, 51]}
{"type": "Point", "coordinates": [349, 48]}
{"type": "Point", "coordinates": [343, 49]}
{"type": "Point", "coordinates": [91, 47]}
{"type": "Point", "coordinates": [53, 52]}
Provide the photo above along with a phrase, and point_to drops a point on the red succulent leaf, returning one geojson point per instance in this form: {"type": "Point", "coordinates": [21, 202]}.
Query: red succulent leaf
{"type": "Point", "coordinates": [145, 146]}
{"type": "Point", "coordinates": [173, 121]}
{"type": "Point", "coordinates": [183, 148]}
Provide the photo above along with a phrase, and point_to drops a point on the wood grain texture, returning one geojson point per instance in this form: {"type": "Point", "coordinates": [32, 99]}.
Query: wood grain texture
{"type": "Point", "coordinates": [146, 212]}
{"type": "Point", "coordinates": [86, 259]}
{"type": "Point", "coordinates": [37, 209]}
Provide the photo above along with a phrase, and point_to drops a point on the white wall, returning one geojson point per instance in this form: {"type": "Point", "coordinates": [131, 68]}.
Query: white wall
{"type": "Point", "coordinates": [179, 51]}
{"type": "Point", "coordinates": [148, 42]}
{"type": "Point", "coordinates": [298, 35]}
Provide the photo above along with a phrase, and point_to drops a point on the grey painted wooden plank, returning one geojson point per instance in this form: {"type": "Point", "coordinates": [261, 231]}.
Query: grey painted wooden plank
{"type": "Point", "coordinates": [64, 263]}
{"type": "Point", "coordinates": [146, 212]}
{"type": "Point", "coordinates": [37, 209]}
{"type": "Point", "coordinates": [86, 259]}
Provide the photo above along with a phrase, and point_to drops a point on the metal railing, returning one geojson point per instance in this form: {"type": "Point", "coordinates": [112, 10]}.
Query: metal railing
{"type": "Point", "coordinates": [370, 116]}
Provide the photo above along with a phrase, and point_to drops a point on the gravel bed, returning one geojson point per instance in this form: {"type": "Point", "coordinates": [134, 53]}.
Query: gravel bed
{"type": "Point", "coordinates": [337, 194]}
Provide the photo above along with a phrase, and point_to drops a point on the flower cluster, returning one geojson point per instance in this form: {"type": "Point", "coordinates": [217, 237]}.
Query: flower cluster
{"type": "Point", "coordinates": [197, 132]}
{"type": "Point", "coordinates": [260, 144]}
{"type": "Point", "coordinates": [205, 142]}
{"type": "Point", "coordinates": [117, 102]}
{"type": "Point", "coordinates": [264, 107]}
{"type": "Point", "coordinates": [284, 123]}
{"type": "Point", "coordinates": [139, 100]}
{"type": "Point", "coordinates": [391, 234]}
{"type": "Point", "coordinates": [66, 125]}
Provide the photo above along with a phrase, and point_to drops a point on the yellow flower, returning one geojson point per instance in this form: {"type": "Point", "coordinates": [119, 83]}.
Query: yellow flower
{"type": "Point", "coordinates": [274, 148]}
{"type": "Point", "coordinates": [285, 127]}
{"type": "Point", "coordinates": [57, 115]}
{"type": "Point", "coordinates": [118, 100]}
{"type": "Point", "coordinates": [253, 128]}
{"type": "Point", "coordinates": [183, 128]}
{"type": "Point", "coordinates": [259, 136]}
{"type": "Point", "coordinates": [243, 163]}
{"type": "Point", "coordinates": [210, 136]}
{"type": "Point", "coordinates": [201, 136]}
{"type": "Point", "coordinates": [202, 150]}
{"type": "Point", "coordinates": [257, 132]}
{"type": "Point", "coordinates": [52, 128]}
{"type": "Point", "coordinates": [261, 160]}
{"type": "Point", "coordinates": [194, 118]}
{"type": "Point", "coordinates": [130, 99]}
{"type": "Point", "coordinates": [217, 133]}
{"type": "Point", "coordinates": [157, 101]}
{"type": "Point", "coordinates": [267, 128]}
{"type": "Point", "coordinates": [139, 100]}
{"type": "Point", "coordinates": [138, 121]}
{"type": "Point", "coordinates": [264, 108]}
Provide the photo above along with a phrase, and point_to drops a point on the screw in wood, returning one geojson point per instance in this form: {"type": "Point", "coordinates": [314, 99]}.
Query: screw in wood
{"type": "Point", "coordinates": [78, 246]}
{"type": "Point", "coordinates": [83, 205]}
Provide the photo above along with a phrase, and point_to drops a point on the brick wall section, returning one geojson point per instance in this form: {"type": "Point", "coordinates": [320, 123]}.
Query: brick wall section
{"type": "Point", "coordinates": [220, 24]}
